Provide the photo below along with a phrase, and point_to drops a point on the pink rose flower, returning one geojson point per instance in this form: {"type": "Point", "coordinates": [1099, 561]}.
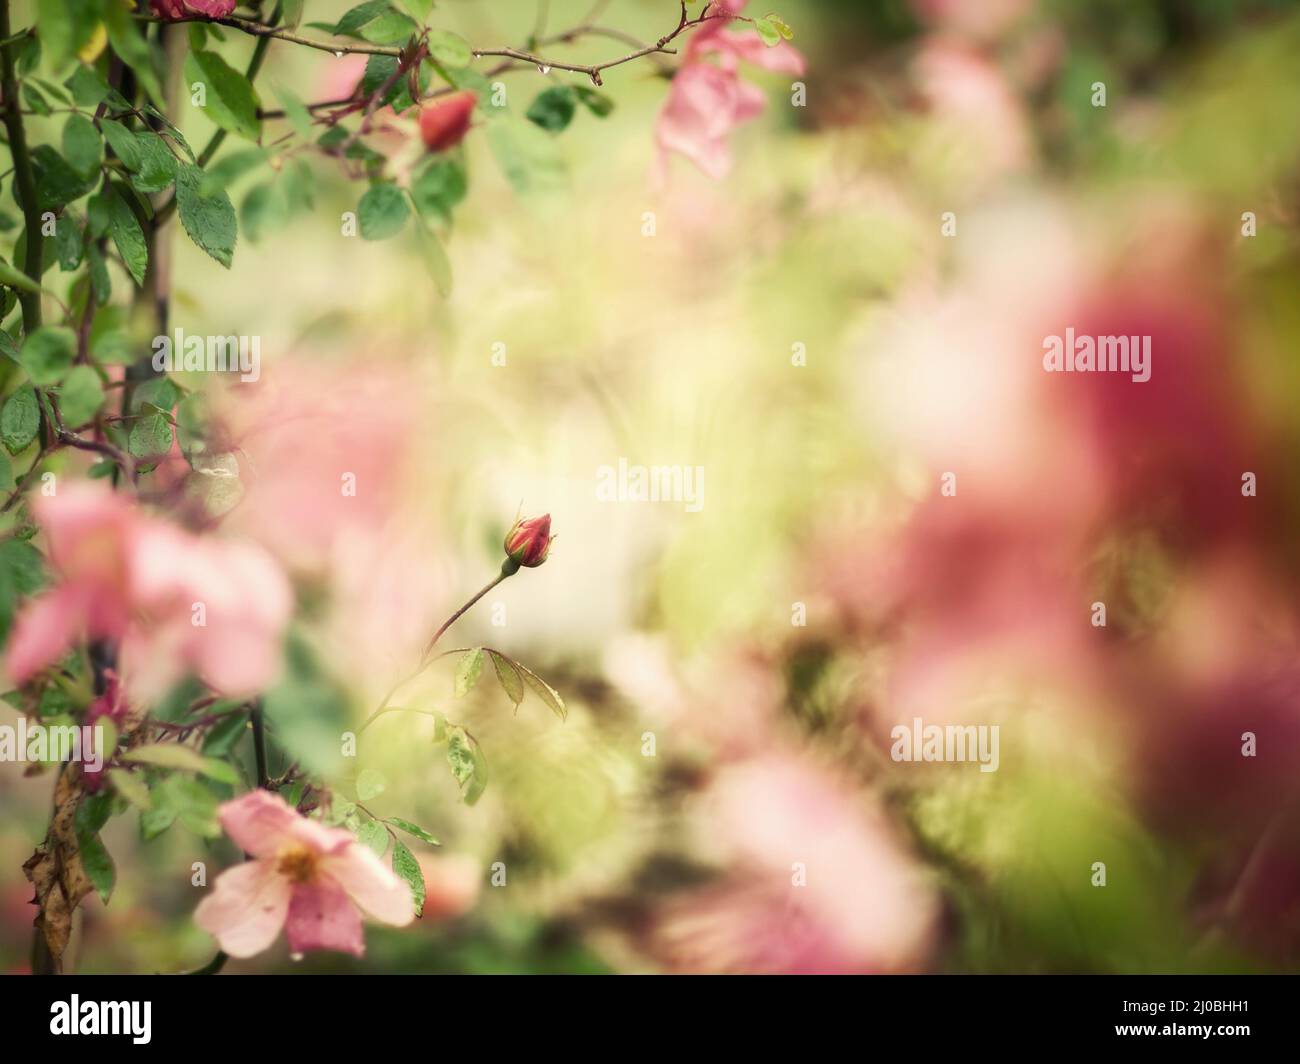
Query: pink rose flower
{"type": "Point", "coordinates": [173, 600]}
{"type": "Point", "coordinates": [183, 9]}
{"type": "Point", "coordinates": [708, 100]}
{"type": "Point", "coordinates": [304, 877]}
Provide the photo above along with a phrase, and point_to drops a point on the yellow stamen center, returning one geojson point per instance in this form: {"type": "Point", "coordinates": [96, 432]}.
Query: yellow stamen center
{"type": "Point", "coordinates": [298, 863]}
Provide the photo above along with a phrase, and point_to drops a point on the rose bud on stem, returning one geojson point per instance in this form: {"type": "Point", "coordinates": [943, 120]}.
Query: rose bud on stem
{"type": "Point", "coordinates": [444, 123]}
{"type": "Point", "coordinates": [526, 544]}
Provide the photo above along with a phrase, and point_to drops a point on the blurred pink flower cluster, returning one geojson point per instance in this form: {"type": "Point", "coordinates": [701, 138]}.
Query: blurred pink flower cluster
{"type": "Point", "coordinates": [709, 99]}
{"type": "Point", "coordinates": [175, 601]}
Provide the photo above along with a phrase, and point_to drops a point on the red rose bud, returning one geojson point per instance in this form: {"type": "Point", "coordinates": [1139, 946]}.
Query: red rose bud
{"type": "Point", "coordinates": [528, 542]}
{"type": "Point", "coordinates": [178, 9]}
{"type": "Point", "coordinates": [444, 123]}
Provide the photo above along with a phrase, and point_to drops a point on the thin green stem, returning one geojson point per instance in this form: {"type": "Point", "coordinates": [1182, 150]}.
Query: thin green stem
{"type": "Point", "coordinates": [23, 175]}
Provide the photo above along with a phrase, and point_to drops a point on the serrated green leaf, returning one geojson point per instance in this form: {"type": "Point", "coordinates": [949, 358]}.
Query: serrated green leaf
{"type": "Point", "coordinates": [150, 437]}
{"type": "Point", "coordinates": [124, 227]}
{"type": "Point", "coordinates": [230, 100]}
{"type": "Point", "coordinates": [20, 420]}
{"type": "Point", "coordinates": [412, 829]}
{"type": "Point", "coordinates": [47, 354]}
{"type": "Point", "coordinates": [408, 870]}
{"type": "Point", "coordinates": [509, 677]}
{"type": "Point", "coordinates": [544, 691]}
{"type": "Point", "coordinates": [209, 220]}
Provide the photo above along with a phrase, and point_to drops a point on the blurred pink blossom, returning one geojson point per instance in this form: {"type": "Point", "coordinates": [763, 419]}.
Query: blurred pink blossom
{"type": "Point", "coordinates": [815, 880]}
{"type": "Point", "coordinates": [707, 100]}
{"type": "Point", "coordinates": [175, 601]}
{"type": "Point", "coordinates": [309, 879]}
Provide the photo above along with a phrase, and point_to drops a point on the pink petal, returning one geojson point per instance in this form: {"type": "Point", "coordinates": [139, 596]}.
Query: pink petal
{"type": "Point", "coordinates": [371, 884]}
{"type": "Point", "coordinates": [246, 909]}
{"type": "Point", "coordinates": [322, 916]}
{"type": "Point", "coordinates": [43, 631]}
{"type": "Point", "coordinates": [261, 824]}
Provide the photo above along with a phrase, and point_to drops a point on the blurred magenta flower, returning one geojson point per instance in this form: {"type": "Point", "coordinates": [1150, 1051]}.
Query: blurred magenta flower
{"type": "Point", "coordinates": [708, 100]}
{"type": "Point", "coordinates": [304, 877]}
{"type": "Point", "coordinates": [174, 600]}
{"type": "Point", "coordinates": [529, 541]}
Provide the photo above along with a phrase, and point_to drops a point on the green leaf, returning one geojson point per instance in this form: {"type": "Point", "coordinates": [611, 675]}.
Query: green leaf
{"type": "Point", "coordinates": [68, 241]}
{"type": "Point", "coordinates": [450, 49]}
{"type": "Point", "coordinates": [435, 257]}
{"type": "Point", "coordinates": [408, 870]}
{"type": "Point", "coordinates": [185, 758]}
{"type": "Point", "coordinates": [389, 28]}
{"type": "Point", "coordinates": [81, 145]}
{"type": "Point", "coordinates": [80, 396]}
{"type": "Point", "coordinates": [264, 210]}
{"type": "Point", "coordinates": [57, 183]}
{"type": "Point", "coordinates": [544, 691]}
{"type": "Point", "coordinates": [231, 101]}
{"type": "Point", "coordinates": [47, 354]}
{"type": "Point", "coordinates": [553, 109]}
{"type": "Point", "coordinates": [412, 829]}
{"type": "Point", "coordinates": [295, 110]}
{"type": "Point", "coordinates": [597, 103]}
{"type": "Point", "coordinates": [158, 166]}
{"type": "Point", "coordinates": [87, 87]}
{"type": "Point", "coordinates": [459, 755]}
{"type": "Point", "coordinates": [225, 734]}
{"type": "Point", "coordinates": [468, 671]}
{"type": "Point", "coordinates": [20, 419]}
{"type": "Point", "coordinates": [382, 211]}
{"type": "Point", "coordinates": [478, 782]}
{"type": "Point", "coordinates": [438, 187]}
{"type": "Point", "coordinates": [526, 155]}
{"type": "Point", "coordinates": [229, 169]}
{"type": "Point", "coordinates": [355, 18]}
{"type": "Point", "coordinates": [770, 34]}
{"type": "Point", "coordinates": [209, 220]}
{"type": "Point", "coordinates": [370, 784]}
{"type": "Point", "coordinates": [131, 786]}
{"type": "Point", "coordinates": [150, 437]}
{"type": "Point", "coordinates": [123, 142]}
{"type": "Point", "coordinates": [132, 47]}
{"type": "Point", "coordinates": [125, 229]}
{"type": "Point", "coordinates": [374, 835]}
{"type": "Point", "coordinates": [98, 865]}
{"type": "Point", "coordinates": [509, 677]}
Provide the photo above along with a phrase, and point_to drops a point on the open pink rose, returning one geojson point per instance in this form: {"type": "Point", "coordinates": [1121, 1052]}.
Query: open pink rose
{"type": "Point", "coordinates": [707, 100]}
{"type": "Point", "coordinates": [302, 876]}
{"type": "Point", "coordinates": [173, 600]}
